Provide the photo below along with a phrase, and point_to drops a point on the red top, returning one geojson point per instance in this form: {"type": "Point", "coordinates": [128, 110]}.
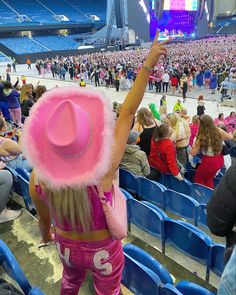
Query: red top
{"type": "Point", "coordinates": [174, 81]}
{"type": "Point", "coordinates": [163, 156]}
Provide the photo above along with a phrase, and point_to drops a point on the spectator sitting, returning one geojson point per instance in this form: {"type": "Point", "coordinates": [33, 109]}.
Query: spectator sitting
{"type": "Point", "coordinates": [10, 151]}
{"type": "Point", "coordinates": [163, 153]}
{"type": "Point", "coordinates": [200, 107]}
{"type": "Point", "coordinates": [194, 129]}
{"type": "Point", "coordinates": [5, 189]}
{"type": "Point", "coordinates": [135, 160]}
{"type": "Point", "coordinates": [230, 122]}
{"type": "Point", "coordinates": [178, 107]}
{"type": "Point", "coordinates": [220, 121]}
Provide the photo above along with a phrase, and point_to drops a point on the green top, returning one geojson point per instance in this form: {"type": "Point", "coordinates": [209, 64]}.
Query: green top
{"type": "Point", "coordinates": [154, 111]}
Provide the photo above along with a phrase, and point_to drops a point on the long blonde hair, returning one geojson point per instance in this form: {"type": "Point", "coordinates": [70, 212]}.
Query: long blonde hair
{"type": "Point", "coordinates": [23, 92]}
{"type": "Point", "coordinates": [174, 121]}
{"type": "Point", "coordinates": [71, 204]}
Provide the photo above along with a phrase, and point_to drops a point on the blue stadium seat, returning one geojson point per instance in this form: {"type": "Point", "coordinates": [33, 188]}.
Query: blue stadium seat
{"type": "Point", "coordinates": [181, 205]}
{"type": "Point", "coordinates": [57, 42]}
{"type": "Point", "coordinates": [146, 218]}
{"type": "Point", "coordinates": [24, 173]}
{"type": "Point", "coordinates": [189, 240]}
{"type": "Point", "coordinates": [147, 260]}
{"type": "Point", "coordinates": [169, 289]}
{"type": "Point", "coordinates": [139, 279]}
{"type": "Point", "coordinates": [157, 209]}
{"type": "Point", "coordinates": [188, 288]}
{"type": "Point", "coordinates": [13, 269]}
{"type": "Point", "coordinates": [126, 194]}
{"type": "Point", "coordinates": [202, 216]}
{"type": "Point", "coordinates": [217, 260]}
{"type": "Point", "coordinates": [179, 186]}
{"type": "Point", "coordinates": [200, 193]}
{"type": "Point", "coordinates": [150, 191]}
{"type": "Point", "coordinates": [128, 181]}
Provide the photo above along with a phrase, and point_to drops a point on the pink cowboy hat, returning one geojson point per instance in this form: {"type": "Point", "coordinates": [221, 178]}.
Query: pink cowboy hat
{"type": "Point", "coordinates": [68, 137]}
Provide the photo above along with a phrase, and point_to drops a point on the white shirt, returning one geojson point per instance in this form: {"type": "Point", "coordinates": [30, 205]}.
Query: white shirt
{"type": "Point", "coordinates": [166, 78]}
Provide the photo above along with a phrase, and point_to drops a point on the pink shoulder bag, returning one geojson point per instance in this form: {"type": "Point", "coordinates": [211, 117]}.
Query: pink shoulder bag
{"type": "Point", "coordinates": [116, 214]}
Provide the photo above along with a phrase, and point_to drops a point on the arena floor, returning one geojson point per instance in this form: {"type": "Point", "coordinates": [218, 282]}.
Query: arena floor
{"type": "Point", "coordinates": [212, 108]}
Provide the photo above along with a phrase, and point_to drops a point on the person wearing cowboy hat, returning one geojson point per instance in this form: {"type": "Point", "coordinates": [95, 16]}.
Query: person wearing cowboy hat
{"type": "Point", "coordinates": [75, 147]}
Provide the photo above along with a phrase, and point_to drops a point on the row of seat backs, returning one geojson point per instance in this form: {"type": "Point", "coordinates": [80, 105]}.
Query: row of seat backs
{"type": "Point", "coordinates": [13, 269]}
{"type": "Point", "coordinates": [137, 185]}
{"type": "Point", "coordinates": [144, 275]}
{"type": "Point", "coordinates": [177, 203]}
{"type": "Point", "coordinates": [183, 236]}
{"type": "Point", "coordinates": [21, 185]}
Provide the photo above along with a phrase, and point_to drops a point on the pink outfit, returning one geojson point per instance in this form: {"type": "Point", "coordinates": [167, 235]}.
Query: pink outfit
{"type": "Point", "coordinates": [104, 259]}
{"type": "Point", "coordinates": [230, 123]}
{"type": "Point", "coordinates": [219, 122]}
{"type": "Point", "coordinates": [194, 131]}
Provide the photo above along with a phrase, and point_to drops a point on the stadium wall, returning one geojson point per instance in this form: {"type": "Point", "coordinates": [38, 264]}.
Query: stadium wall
{"type": "Point", "coordinates": [21, 58]}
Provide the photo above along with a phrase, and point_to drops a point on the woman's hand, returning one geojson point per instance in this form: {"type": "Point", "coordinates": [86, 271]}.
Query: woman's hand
{"type": "Point", "coordinates": [157, 49]}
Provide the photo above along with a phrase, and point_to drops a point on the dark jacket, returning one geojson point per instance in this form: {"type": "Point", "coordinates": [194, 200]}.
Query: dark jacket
{"type": "Point", "coordinates": [221, 210]}
{"type": "Point", "coordinates": [26, 106]}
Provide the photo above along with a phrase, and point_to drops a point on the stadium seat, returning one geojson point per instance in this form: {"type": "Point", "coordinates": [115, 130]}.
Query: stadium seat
{"type": "Point", "coordinates": [217, 260]}
{"type": "Point", "coordinates": [24, 173]}
{"type": "Point", "coordinates": [189, 240]}
{"type": "Point", "coordinates": [157, 209]}
{"type": "Point", "coordinates": [13, 269]}
{"type": "Point", "coordinates": [181, 205]}
{"type": "Point", "coordinates": [147, 260]}
{"type": "Point", "coordinates": [126, 194]}
{"type": "Point", "coordinates": [202, 216]}
{"type": "Point", "coordinates": [146, 218]}
{"type": "Point", "coordinates": [139, 279]}
{"type": "Point", "coordinates": [200, 193]}
{"type": "Point", "coordinates": [128, 181]}
{"type": "Point", "coordinates": [150, 191]}
{"type": "Point", "coordinates": [169, 289]}
{"type": "Point", "coordinates": [179, 186]}
{"type": "Point", "coordinates": [188, 288]}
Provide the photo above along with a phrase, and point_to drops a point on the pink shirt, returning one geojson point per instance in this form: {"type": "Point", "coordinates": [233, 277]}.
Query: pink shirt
{"type": "Point", "coordinates": [194, 131]}
{"type": "Point", "coordinates": [98, 216]}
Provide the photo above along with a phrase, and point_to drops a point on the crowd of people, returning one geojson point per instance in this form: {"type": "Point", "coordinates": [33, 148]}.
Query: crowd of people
{"type": "Point", "coordinates": [75, 145]}
{"type": "Point", "coordinates": [208, 63]}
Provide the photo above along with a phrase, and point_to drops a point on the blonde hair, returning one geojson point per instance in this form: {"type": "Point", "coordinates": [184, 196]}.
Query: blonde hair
{"type": "Point", "coordinates": [145, 117]}
{"type": "Point", "coordinates": [23, 92]}
{"type": "Point", "coordinates": [71, 204]}
{"type": "Point", "coordinates": [163, 110]}
{"type": "Point", "coordinates": [174, 121]}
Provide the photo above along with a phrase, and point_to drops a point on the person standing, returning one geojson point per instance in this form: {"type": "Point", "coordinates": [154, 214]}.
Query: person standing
{"type": "Point", "coordinates": [13, 102]}
{"type": "Point", "coordinates": [165, 81]}
{"type": "Point", "coordinates": [117, 81]}
{"type": "Point", "coordinates": [71, 191]}
{"type": "Point", "coordinates": [28, 62]}
{"type": "Point", "coordinates": [14, 64]}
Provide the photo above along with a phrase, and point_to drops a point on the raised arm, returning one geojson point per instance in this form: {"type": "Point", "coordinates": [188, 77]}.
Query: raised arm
{"type": "Point", "coordinates": [133, 101]}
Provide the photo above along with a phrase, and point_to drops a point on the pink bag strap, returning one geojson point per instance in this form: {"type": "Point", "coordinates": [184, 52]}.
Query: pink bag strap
{"type": "Point", "coordinates": [101, 195]}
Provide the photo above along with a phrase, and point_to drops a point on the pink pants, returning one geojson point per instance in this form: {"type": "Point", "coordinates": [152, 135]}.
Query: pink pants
{"type": "Point", "coordinates": [207, 170]}
{"type": "Point", "coordinates": [104, 259]}
{"type": "Point", "coordinates": [16, 115]}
